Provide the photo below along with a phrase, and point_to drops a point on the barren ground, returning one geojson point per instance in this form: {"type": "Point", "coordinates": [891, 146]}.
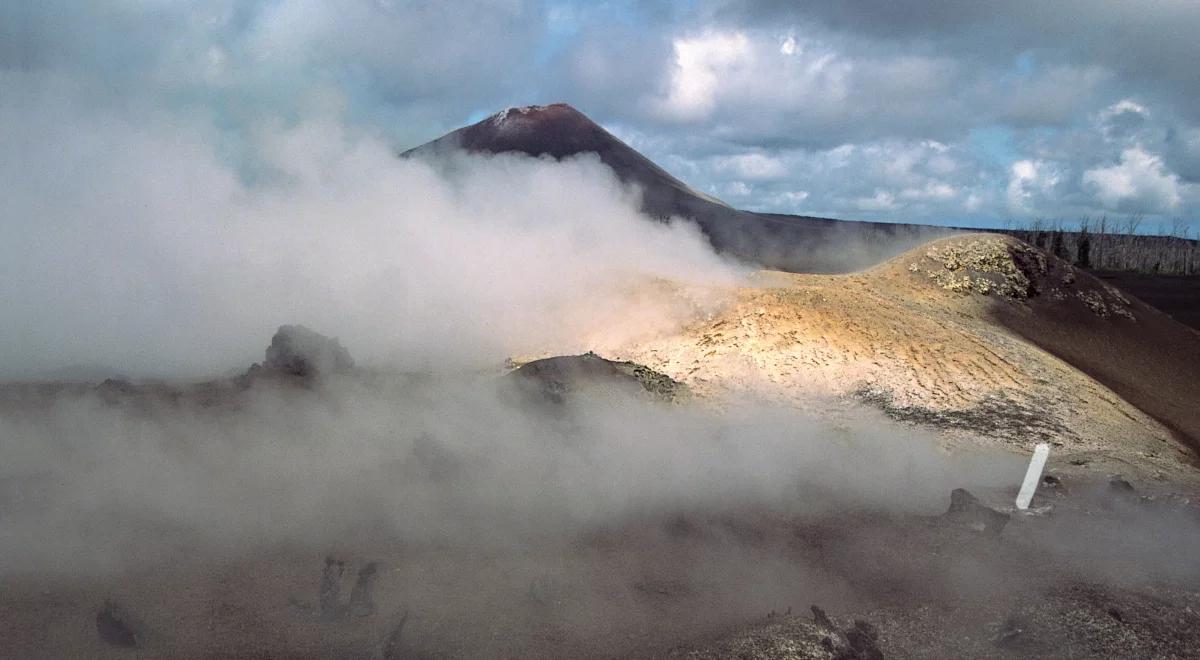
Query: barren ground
{"type": "Point", "coordinates": [1072, 583]}
{"type": "Point", "coordinates": [979, 335]}
{"type": "Point", "coordinates": [993, 346]}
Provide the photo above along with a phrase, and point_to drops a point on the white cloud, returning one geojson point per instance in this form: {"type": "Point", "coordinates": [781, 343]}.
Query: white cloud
{"type": "Point", "coordinates": [701, 64]}
{"type": "Point", "coordinates": [788, 47]}
{"type": "Point", "coordinates": [789, 200]}
{"type": "Point", "coordinates": [1125, 123]}
{"type": "Point", "coordinates": [738, 189]}
{"type": "Point", "coordinates": [1030, 182]}
{"type": "Point", "coordinates": [1139, 183]}
{"type": "Point", "coordinates": [916, 178]}
{"type": "Point", "coordinates": [1123, 106]}
{"type": "Point", "coordinates": [882, 200]}
{"type": "Point", "coordinates": [753, 166]}
{"type": "Point", "coordinates": [934, 190]}
{"type": "Point", "coordinates": [751, 75]}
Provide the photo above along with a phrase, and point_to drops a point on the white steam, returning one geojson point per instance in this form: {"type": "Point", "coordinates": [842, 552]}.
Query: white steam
{"type": "Point", "coordinates": [135, 241]}
{"type": "Point", "coordinates": [91, 486]}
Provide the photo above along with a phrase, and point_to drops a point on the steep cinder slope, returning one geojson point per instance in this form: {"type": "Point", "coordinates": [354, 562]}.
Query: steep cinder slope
{"type": "Point", "coordinates": [1149, 359]}
{"type": "Point", "coordinates": [785, 242]}
{"type": "Point", "coordinates": [970, 334]}
{"type": "Point", "coordinates": [1176, 295]}
{"type": "Point", "coordinates": [1145, 356]}
{"type": "Point", "coordinates": [559, 130]}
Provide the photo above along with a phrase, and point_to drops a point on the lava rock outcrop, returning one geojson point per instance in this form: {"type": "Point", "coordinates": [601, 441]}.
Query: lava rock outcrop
{"type": "Point", "coordinates": [555, 379]}
{"type": "Point", "coordinates": [299, 351]}
{"type": "Point", "coordinates": [966, 510]}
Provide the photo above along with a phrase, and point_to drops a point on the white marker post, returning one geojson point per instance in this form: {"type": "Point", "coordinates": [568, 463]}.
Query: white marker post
{"type": "Point", "coordinates": [1034, 474]}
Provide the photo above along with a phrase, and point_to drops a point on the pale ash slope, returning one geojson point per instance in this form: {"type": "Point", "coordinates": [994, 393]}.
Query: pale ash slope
{"type": "Point", "coordinates": [920, 337]}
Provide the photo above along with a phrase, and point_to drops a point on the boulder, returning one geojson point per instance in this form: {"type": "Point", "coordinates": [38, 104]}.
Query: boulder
{"type": "Point", "coordinates": [298, 351]}
{"type": "Point", "coordinates": [115, 626]}
{"type": "Point", "coordinates": [362, 602]}
{"type": "Point", "coordinates": [328, 598]}
{"type": "Point", "coordinates": [965, 509]}
{"type": "Point", "coordinates": [858, 642]}
{"type": "Point", "coordinates": [555, 379]}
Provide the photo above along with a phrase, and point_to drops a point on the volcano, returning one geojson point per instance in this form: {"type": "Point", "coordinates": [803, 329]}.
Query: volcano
{"type": "Point", "coordinates": [781, 242]}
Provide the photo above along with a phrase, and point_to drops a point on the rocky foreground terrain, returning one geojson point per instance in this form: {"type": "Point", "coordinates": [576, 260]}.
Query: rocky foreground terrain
{"type": "Point", "coordinates": [1100, 566]}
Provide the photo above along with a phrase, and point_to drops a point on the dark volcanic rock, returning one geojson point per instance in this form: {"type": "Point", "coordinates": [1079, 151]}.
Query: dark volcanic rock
{"type": "Point", "coordinates": [393, 646]}
{"type": "Point", "coordinates": [555, 378]}
{"type": "Point", "coordinates": [115, 626]}
{"type": "Point", "coordinates": [864, 642]}
{"type": "Point", "coordinates": [965, 509]}
{"type": "Point", "coordinates": [1121, 494]}
{"type": "Point", "coordinates": [858, 642]}
{"type": "Point", "coordinates": [116, 385]}
{"type": "Point", "coordinates": [299, 351]}
{"type": "Point", "coordinates": [822, 619]}
{"type": "Point", "coordinates": [115, 389]}
{"type": "Point", "coordinates": [1011, 632]}
{"type": "Point", "coordinates": [1120, 487]}
{"type": "Point", "coordinates": [362, 602]}
{"type": "Point", "coordinates": [328, 605]}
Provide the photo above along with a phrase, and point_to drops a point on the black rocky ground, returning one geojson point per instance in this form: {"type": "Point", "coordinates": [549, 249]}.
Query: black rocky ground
{"type": "Point", "coordinates": [556, 379]}
{"type": "Point", "coordinates": [1078, 576]}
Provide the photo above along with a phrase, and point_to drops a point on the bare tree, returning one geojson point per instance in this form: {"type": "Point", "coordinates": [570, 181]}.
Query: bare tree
{"type": "Point", "coordinates": [1103, 245]}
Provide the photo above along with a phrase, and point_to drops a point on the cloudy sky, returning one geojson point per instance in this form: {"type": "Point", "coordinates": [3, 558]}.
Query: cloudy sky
{"type": "Point", "coordinates": [940, 111]}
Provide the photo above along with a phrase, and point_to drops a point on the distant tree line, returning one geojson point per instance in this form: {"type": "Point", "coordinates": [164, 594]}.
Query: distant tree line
{"type": "Point", "coordinates": [1105, 244]}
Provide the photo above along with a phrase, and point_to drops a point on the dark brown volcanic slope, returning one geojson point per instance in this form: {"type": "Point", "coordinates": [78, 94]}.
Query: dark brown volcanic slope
{"type": "Point", "coordinates": [1148, 358]}
{"type": "Point", "coordinates": [783, 242]}
{"type": "Point", "coordinates": [1177, 295]}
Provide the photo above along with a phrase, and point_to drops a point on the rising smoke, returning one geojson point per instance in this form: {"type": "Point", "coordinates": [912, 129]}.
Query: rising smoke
{"type": "Point", "coordinates": [426, 460]}
{"type": "Point", "coordinates": [137, 243]}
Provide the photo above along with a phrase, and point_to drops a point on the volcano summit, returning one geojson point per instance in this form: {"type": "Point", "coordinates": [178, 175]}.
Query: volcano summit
{"type": "Point", "coordinates": [781, 242]}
